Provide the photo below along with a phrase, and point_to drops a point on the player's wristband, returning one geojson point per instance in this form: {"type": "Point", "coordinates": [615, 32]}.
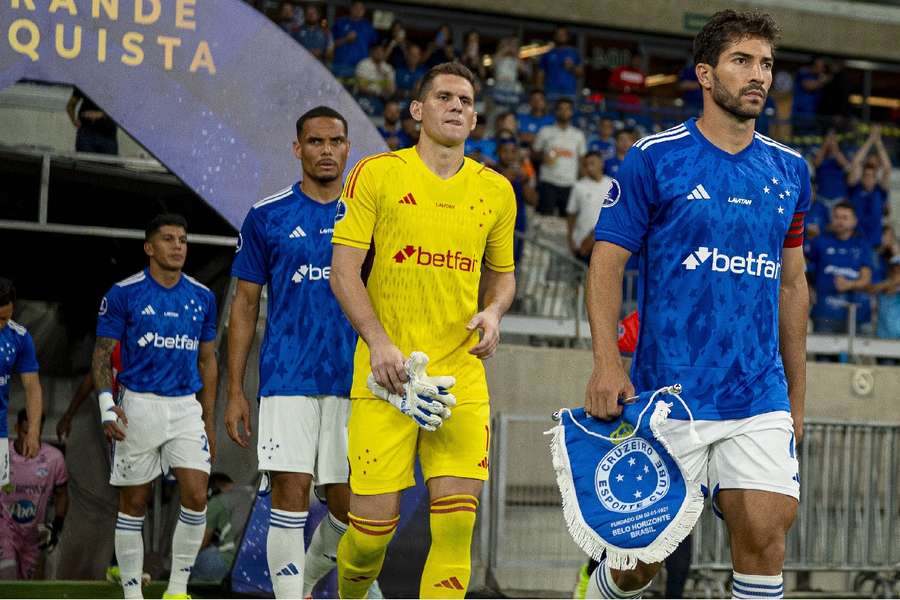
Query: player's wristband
{"type": "Point", "coordinates": [106, 407]}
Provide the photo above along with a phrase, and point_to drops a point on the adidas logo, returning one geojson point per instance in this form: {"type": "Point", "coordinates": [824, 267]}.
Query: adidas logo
{"type": "Point", "coordinates": [408, 199]}
{"type": "Point", "coordinates": [358, 578]}
{"type": "Point", "coordinates": [484, 463]}
{"type": "Point", "coordinates": [698, 193]}
{"type": "Point", "coordinates": [451, 583]}
{"type": "Point", "coordinates": [297, 233]}
{"type": "Point", "coordinates": [186, 569]}
{"type": "Point", "coordinates": [148, 310]}
{"type": "Point", "coordinates": [131, 582]}
{"type": "Point", "coordinates": [289, 570]}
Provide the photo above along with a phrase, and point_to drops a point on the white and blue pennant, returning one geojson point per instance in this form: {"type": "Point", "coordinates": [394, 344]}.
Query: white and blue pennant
{"type": "Point", "coordinates": [622, 490]}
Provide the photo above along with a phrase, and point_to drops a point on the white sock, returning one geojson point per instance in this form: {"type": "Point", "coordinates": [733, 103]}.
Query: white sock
{"type": "Point", "coordinates": [185, 546]}
{"type": "Point", "coordinates": [757, 586]}
{"type": "Point", "coordinates": [602, 585]}
{"type": "Point", "coordinates": [322, 555]}
{"type": "Point", "coordinates": [130, 553]}
{"type": "Point", "coordinates": [284, 552]}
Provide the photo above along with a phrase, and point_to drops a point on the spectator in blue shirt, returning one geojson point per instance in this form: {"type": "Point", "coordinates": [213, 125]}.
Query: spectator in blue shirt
{"type": "Point", "coordinates": [889, 303]}
{"type": "Point", "coordinates": [831, 171]}
{"type": "Point", "coordinates": [817, 219]}
{"type": "Point", "coordinates": [624, 141]}
{"type": "Point", "coordinates": [841, 262]}
{"type": "Point", "coordinates": [289, 19]}
{"type": "Point", "coordinates": [314, 36]}
{"type": "Point", "coordinates": [868, 191]}
{"type": "Point", "coordinates": [410, 72]}
{"type": "Point", "coordinates": [536, 117]}
{"type": "Point", "coordinates": [440, 49]}
{"type": "Point", "coordinates": [808, 84]}
{"type": "Point", "coordinates": [605, 142]}
{"type": "Point", "coordinates": [509, 164]}
{"type": "Point", "coordinates": [392, 129]}
{"type": "Point", "coordinates": [691, 94]}
{"type": "Point", "coordinates": [560, 68]}
{"type": "Point", "coordinates": [479, 147]}
{"type": "Point", "coordinates": [353, 36]}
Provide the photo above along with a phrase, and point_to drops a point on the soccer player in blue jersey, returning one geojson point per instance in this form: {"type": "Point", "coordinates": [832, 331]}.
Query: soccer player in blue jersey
{"type": "Point", "coordinates": [306, 359]}
{"type": "Point", "coordinates": [164, 416]}
{"type": "Point", "coordinates": [17, 356]}
{"type": "Point", "coordinates": [715, 213]}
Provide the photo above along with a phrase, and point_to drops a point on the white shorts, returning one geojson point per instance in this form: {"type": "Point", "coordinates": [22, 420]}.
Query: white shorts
{"type": "Point", "coordinates": [4, 461]}
{"type": "Point", "coordinates": [163, 432]}
{"type": "Point", "coordinates": [305, 434]}
{"type": "Point", "coordinates": [756, 453]}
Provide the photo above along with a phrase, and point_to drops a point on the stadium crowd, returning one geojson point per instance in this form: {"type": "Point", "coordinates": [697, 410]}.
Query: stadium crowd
{"type": "Point", "coordinates": [560, 144]}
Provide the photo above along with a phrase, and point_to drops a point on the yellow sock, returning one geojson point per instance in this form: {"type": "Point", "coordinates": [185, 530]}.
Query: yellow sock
{"type": "Point", "coordinates": [449, 563]}
{"type": "Point", "coordinates": [361, 554]}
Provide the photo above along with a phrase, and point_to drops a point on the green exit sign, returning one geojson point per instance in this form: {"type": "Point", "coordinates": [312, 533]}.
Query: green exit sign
{"type": "Point", "coordinates": [694, 22]}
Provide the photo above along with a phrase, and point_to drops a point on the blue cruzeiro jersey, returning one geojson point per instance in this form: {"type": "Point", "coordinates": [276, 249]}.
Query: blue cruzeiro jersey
{"type": "Point", "coordinates": [16, 356]}
{"type": "Point", "coordinates": [285, 243]}
{"type": "Point", "coordinates": [709, 227]}
{"type": "Point", "coordinates": [160, 330]}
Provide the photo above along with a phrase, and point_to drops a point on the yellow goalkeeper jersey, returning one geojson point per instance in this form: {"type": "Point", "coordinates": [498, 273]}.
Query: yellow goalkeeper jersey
{"type": "Point", "coordinates": [431, 237]}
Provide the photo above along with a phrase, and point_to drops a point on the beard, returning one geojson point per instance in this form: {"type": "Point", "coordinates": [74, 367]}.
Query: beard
{"type": "Point", "coordinates": [732, 103]}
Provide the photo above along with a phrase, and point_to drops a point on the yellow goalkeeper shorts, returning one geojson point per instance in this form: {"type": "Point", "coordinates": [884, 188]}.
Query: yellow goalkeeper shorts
{"type": "Point", "coordinates": [382, 446]}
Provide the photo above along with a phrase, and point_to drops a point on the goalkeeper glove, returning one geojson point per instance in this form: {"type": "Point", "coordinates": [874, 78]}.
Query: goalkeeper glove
{"type": "Point", "coordinates": [426, 400]}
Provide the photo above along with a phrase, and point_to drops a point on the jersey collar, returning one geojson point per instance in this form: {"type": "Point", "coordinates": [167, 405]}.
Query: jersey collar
{"type": "Point", "coordinates": [691, 125]}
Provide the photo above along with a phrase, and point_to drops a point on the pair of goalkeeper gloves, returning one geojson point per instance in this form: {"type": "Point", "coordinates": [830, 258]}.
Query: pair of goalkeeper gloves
{"type": "Point", "coordinates": [426, 400]}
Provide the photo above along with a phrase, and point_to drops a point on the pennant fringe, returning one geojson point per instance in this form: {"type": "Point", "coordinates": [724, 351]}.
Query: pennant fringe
{"type": "Point", "coordinates": [584, 535]}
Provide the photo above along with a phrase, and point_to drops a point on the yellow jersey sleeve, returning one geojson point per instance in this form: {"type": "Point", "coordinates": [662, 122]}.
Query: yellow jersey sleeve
{"type": "Point", "coordinates": [498, 253]}
{"type": "Point", "coordinates": [355, 221]}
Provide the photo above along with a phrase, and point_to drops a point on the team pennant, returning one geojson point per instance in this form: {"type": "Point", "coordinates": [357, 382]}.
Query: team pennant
{"type": "Point", "coordinates": [622, 490]}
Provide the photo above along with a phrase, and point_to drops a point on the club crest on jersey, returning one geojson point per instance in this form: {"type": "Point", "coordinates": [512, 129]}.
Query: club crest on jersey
{"type": "Point", "coordinates": [612, 194]}
{"type": "Point", "coordinates": [23, 511]}
{"type": "Point", "coordinates": [341, 210]}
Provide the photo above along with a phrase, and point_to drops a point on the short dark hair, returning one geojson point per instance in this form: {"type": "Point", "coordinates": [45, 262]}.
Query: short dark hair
{"type": "Point", "coordinates": [536, 91]}
{"type": "Point", "coordinates": [593, 153]}
{"type": "Point", "coordinates": [627, 130]}
{"type": "Point", "coordinates": [728, 27]}
{"type": "Point", "coordinates": [160, 221]}
{"type": "Point", "coordinates": [7, 291]}
{"type": "Point", "coordinates": [562, 101]}
{"type": "Point", "coordinates": [320, 111]}
{"type": "Point", "coordinates": [845, 204]}
{"type": "Point", "coordinates": [447, 68]}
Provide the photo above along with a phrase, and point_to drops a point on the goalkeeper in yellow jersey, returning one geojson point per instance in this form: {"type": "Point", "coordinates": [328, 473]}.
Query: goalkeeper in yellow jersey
{"type": "Point", "coordinates": [441, 230]}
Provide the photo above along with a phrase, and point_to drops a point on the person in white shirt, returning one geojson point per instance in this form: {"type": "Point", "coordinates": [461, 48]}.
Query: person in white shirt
{"type": "Point", "coordinates": [558, 148]}
{"type": "Point", "coordinates": [374, 76]}
{"type": "Point", "coordinates": [585, 202]}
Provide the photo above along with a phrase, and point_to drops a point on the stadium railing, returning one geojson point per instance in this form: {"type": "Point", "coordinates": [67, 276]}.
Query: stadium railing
{"type": "Point", "coordinates": [848, 520]}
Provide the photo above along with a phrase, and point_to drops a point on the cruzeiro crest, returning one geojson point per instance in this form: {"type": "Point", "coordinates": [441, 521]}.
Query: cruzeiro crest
{"type": "Point", "coordinates": [631, 477]}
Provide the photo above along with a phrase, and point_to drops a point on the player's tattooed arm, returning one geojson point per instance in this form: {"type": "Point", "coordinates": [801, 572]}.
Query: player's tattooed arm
{"type": "Point", "coordinates": [101, 366]}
